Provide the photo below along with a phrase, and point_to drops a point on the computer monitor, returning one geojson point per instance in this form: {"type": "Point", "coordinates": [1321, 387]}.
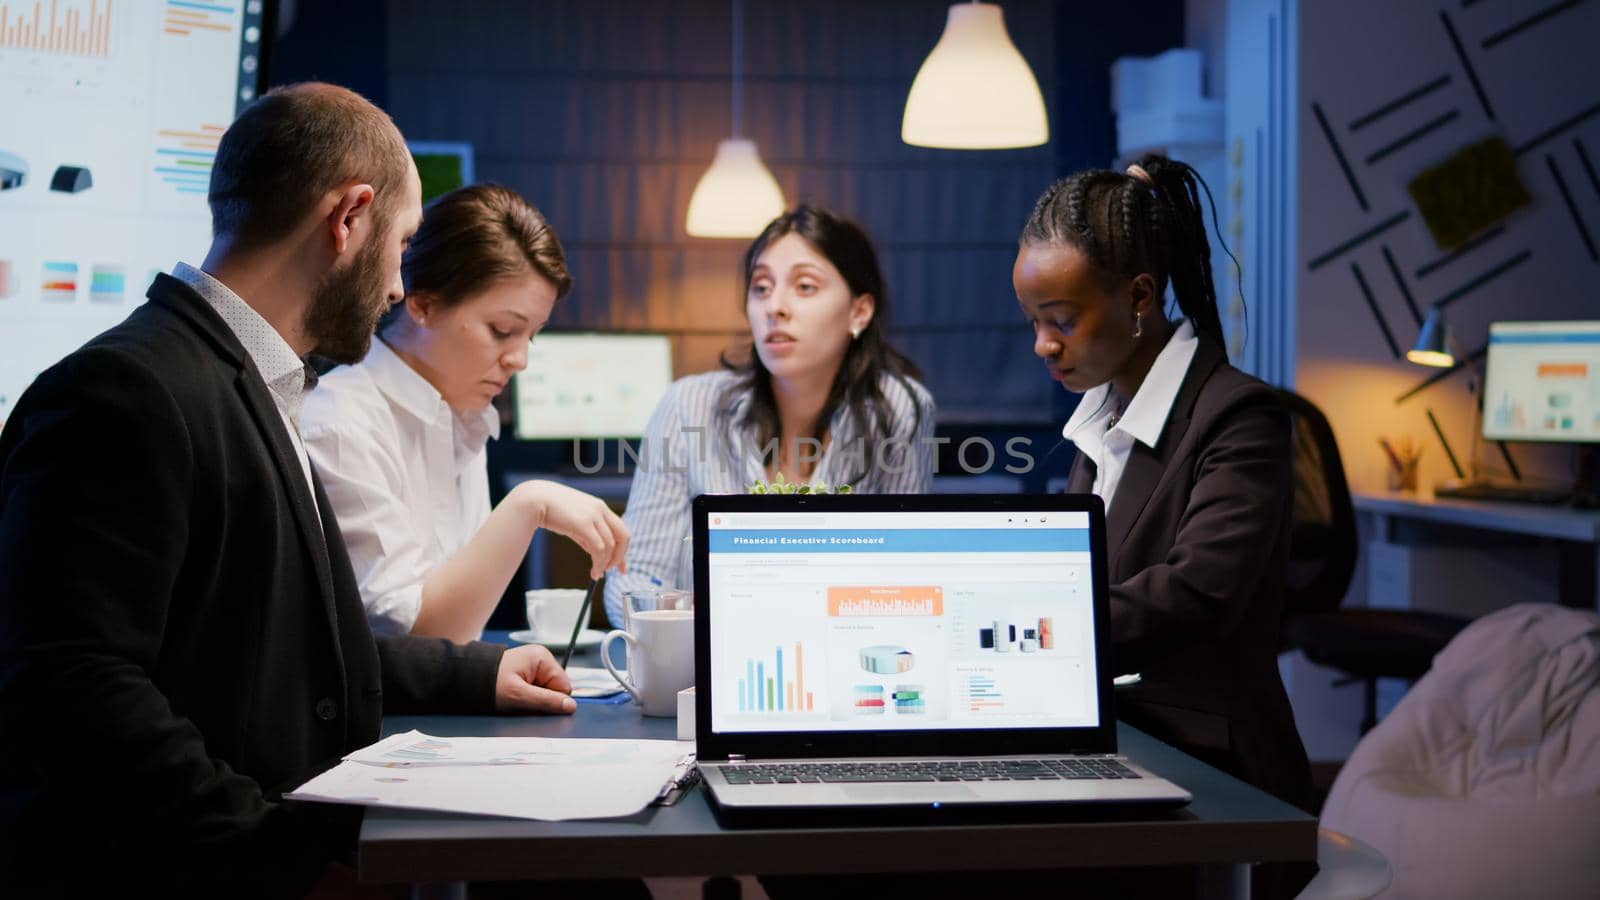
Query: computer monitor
{"type": "Point", "coordinates": [442, 166]}
{"type": "Point", "coordinates": [1542, 382]}
{"type": "Point", "coordinates": [591, 385]}
{"type": "Point", "coordinates": [110, 116]}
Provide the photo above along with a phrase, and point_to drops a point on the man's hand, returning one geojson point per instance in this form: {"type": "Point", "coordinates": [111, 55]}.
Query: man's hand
{"type": "Point", "coordinates": [585, 519]}
{"type": "Point", "coordinates": [532, 681]}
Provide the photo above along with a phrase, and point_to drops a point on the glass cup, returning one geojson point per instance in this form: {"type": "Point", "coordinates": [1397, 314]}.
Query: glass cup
{"type": "Point", "coordinates": [658, 629]}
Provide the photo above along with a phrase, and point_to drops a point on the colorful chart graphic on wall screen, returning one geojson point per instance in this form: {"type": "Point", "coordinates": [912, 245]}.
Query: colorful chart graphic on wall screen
{"type": "Point", "coordinates": [110, 114]}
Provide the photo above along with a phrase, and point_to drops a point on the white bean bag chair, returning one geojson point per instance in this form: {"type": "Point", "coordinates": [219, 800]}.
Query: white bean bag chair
{"type": "Point", "coordinates": [1485, 780]}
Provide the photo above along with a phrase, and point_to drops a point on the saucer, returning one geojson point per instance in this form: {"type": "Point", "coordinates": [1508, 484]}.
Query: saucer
{"type": "Point", "coordinates": [588, 639]}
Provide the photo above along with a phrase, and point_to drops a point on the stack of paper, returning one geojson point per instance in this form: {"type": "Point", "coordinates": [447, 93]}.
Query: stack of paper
{"type": "Point", "coordinates": [526, 778]}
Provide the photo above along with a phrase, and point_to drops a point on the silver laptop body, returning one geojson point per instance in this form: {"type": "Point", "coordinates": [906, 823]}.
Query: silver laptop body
{"type": "Point", "coordinates": [906, 651]}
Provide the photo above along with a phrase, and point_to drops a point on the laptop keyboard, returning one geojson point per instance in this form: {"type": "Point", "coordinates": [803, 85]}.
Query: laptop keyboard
{"type": "Point", "coordinates": [1073, 769]}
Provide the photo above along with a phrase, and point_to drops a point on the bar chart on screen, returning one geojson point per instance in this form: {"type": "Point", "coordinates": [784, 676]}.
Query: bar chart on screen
{"type": "Point", "coordinates": [183, 157]}
{"type": "Point", "coordinates": [981, 695]}
{"type": "Point", "coordinates": [776, 684]}
{"type": "Point", "coordinates": [184, 18]}
{"type": "Point", "coordinates": [81, 28]}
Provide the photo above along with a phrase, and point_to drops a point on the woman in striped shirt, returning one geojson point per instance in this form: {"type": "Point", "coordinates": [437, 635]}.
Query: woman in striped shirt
{"type": "Point", "coordinates": [821, 399]}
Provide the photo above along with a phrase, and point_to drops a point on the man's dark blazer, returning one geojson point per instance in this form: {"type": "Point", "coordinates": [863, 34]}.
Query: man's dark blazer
{"type": "Point", "coordinates": [1197, 535]}
{"type": "Point", "coordinates": [181, 637]}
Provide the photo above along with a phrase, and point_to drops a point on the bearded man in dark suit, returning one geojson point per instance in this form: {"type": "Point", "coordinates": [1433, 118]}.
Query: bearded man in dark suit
{"type": "Point", "coordinates": [181, 637]}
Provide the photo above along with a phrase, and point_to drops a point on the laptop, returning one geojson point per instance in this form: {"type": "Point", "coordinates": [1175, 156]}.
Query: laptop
{"type": "Point", "coordinates": [906, 651]}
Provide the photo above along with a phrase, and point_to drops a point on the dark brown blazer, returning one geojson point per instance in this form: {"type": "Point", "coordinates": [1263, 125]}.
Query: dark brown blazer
{"type": "Point", "coordinates": [1197, 535]}
{"type": "Point", "coordinates": [181, 636]}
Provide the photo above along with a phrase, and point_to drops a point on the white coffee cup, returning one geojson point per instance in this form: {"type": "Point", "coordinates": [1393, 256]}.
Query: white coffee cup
{"type": "Point", "coordinates": [660, 640]}
{"type": "Point", "coordinates": [552, 611]}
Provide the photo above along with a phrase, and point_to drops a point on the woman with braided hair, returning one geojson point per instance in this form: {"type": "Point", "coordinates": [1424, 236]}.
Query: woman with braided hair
{"type": "Point", "coordinates": [1191, 456]}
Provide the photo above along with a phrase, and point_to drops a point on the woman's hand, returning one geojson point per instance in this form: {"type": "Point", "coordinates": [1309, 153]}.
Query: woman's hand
{"type": "Point", "coordinates": [584, 518]}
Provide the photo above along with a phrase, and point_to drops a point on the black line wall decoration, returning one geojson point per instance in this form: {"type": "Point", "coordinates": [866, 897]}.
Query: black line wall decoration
{"type": "Point", "coordinates": [1377, 314]}
{"type": "Point", "coordinates": [1484, 279]}
{"type": "Point", "coordinates": [1554, 130]}
{"type": "Point", "coordinates": [1400, 282]}
{"type": "Point", "coordinates": [1448, 453]}
{"type": "Point", "coordinates": [1472, 74]}
{"type": "Point", "coordinates": [1504, 34]}
{"type": "Point", "coordinates": [1413, 135]}
{"type": "Point", "coordinates": [1505, 454]}
{"type": "Point", "coordinates": [1588, 167]}
{"type": "Point", "coordinates": [1572, 208]}
{"type": "Point", "coordinates": [1359, 239]}
{"type": "Point", "coordinates": [1427, 269]}
{"type": "Point", "coordinates": [1338, 153]}
{"type": "Point", "coordinates": [1399, 102]}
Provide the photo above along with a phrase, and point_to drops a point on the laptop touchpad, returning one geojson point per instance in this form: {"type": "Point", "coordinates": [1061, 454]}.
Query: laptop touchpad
{"type": "Point", "coordinates": [897, 793]}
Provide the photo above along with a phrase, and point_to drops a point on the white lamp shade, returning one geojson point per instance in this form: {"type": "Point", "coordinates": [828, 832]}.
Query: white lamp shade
{"type": "Point", "coordinates": [975, 91]}
{"type": "Point", "coordinates": [737, 196]}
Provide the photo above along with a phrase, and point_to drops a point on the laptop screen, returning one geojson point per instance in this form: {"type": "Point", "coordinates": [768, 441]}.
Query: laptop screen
{"type": "Point", "coordinates": [847, 620]}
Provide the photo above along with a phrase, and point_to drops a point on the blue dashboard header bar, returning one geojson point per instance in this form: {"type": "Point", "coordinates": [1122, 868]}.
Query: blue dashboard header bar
{"type": "Point", "coordinates": [902, 540]}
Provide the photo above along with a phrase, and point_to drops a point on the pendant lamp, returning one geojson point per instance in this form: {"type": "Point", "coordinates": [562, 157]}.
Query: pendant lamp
{"type": "Point", "coordinates": [737, 196]}
{"type": "Point", "coordinates": [975, 91]}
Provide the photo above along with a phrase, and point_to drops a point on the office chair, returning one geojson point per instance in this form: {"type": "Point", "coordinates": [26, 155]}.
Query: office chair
{"type": "Point", "coordinates": [1364, 643]}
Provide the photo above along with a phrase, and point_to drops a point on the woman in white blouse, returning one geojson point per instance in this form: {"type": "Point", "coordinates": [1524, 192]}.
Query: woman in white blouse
{"type": "Point", "coordinates": [822, 398]}
{"type": "Point", "coordinates": [398, 438]}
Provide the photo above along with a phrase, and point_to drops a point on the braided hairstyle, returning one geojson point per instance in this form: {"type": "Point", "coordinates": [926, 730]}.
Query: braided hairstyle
{"type": "Point", "coordinates": [1127, 227]}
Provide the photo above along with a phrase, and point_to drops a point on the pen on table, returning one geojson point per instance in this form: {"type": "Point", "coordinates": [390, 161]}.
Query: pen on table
{"type": "Point", "coordinates": [583, 617]}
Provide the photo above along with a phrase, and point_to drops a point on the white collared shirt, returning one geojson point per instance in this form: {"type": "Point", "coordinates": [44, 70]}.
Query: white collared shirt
{"type": "Point", "coordinates": [1108, 444]}
{"type": "Point", "coordinates": [287, 376]}
{"type": "Point", "coordinates": [407, 477]}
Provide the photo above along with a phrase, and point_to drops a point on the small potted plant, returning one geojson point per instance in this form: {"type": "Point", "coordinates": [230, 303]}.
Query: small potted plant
{"type": "Point", "coordinates": [781, 485]}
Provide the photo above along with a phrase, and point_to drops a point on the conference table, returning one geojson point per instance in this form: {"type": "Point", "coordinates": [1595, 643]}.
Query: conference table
{"type": "Point", "coordinates": [1228, 826]}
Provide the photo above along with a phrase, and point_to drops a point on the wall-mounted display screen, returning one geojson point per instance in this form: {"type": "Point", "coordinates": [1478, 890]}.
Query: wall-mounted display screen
{"type": "Point", "coordinates": [110, 116]}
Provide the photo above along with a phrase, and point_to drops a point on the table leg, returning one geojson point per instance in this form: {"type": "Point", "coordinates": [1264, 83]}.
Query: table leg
{"type": "Point", "coordinates": [1223, 882]}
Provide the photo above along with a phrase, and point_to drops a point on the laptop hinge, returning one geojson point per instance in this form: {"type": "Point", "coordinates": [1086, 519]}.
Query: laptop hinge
{"type": "Point", "coordinates": [736, 758]}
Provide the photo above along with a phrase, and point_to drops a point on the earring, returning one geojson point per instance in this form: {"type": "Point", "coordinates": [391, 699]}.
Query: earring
{"type": "Point", "coordinates": [1138, 325]}
{"type": "Point", "coordinates": [855, 333]}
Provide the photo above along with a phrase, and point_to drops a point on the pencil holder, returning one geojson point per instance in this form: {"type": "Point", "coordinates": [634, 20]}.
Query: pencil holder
{"type": "Point", "coordinates": [1403, 478]}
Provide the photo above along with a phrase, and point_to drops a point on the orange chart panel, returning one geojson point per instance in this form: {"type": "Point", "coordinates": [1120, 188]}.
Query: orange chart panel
{"type": "Point", "coordinates": [886, 600]}
{"type": "Point", "coordinates": [64, 27]}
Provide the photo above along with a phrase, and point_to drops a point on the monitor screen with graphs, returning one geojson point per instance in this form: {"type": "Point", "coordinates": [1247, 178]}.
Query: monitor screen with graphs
{"type": "Point", "coordinates": [110, 114]}
{"type": "Point", "coordinates": [1542, 382]}
{"type": "Point", "coordinates": [591, 385]}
